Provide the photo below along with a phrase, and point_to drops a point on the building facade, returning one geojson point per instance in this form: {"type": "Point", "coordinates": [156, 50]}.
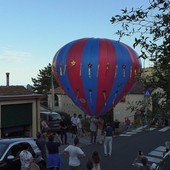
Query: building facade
{"type": "Point", "coordinates": [19, 112]}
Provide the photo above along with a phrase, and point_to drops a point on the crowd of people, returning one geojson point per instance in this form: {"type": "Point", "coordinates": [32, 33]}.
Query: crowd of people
{"type": "Point", "coordinates": [100, 132]}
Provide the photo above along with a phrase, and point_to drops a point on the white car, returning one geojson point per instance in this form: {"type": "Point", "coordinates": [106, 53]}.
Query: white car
{"type": "Point", "coordinates": [10, 149]}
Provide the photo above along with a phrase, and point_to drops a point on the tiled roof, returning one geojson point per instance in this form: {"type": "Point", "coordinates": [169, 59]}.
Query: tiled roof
{"type": "Point", "coordinates": [59, 90]}
{"type": "Point", "coordinates": [14, 90]}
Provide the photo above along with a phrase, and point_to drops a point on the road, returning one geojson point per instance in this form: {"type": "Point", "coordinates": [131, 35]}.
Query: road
{"type": "Point", "coordinates": [125, 149]}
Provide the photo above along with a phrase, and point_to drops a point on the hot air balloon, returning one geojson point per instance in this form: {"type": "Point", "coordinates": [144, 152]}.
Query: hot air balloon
{"type": "Point", "coordinates": [96, 73]}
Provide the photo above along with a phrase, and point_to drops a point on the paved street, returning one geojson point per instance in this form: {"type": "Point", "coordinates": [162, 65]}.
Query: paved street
{"type": "Point", "coordinates": [125, 147]}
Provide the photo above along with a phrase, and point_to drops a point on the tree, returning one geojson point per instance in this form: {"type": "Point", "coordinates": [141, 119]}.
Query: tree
{"type": "Point", "coordinates": [151, 28]}
{"type": "Point", "coordinates": [43, 83]}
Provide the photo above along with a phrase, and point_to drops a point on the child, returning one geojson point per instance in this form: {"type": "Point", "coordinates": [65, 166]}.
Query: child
{"type": "Point", "coordinates": [96, 160]}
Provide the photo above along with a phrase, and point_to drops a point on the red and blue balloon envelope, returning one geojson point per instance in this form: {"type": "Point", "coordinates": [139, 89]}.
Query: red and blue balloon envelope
{"type": "Point", "coordinates": [96, 73]}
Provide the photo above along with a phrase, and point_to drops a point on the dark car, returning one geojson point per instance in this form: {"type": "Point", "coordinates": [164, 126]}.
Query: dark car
{"type": "Point", "coordinates": [53, 120]}
{"type": "Point", "coordinates": [10, 150]}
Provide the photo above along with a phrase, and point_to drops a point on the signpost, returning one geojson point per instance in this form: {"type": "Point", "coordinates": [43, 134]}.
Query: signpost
{"type": "Point", "coordinates": [147, 94]}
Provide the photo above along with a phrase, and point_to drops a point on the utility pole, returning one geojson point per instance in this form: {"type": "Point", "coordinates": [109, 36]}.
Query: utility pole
{"type": "Point", "coordinates": [146, 100]}
{"type": "Point", "coordinates": [52, 91]}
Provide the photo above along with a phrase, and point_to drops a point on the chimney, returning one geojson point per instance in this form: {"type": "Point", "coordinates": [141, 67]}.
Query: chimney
{"type": "Point", "coordinates": [7, 79]}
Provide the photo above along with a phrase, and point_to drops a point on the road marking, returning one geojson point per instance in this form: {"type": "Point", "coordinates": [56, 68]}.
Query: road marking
{"type": "Point", "coordinates": [152, 129]}
{"type": "Point", "coordinates": [161, 148]}
{"type": "Point", "coordinates": [164, 129]}
{"type": "Point", "coordinates": [124, 135]}
{"type": "Point", "coordinates": [142, 127]}
{"type": "Point", "coordinates": [156, 153]}
{"type": "Point", "coordinates": [137, 130]}
{"type": "Point", "coordinates": [155, 156]}
{"type": "Point", "coordinates": [133, 133]}
{"type": "Point", "coordinates": [153, 159]}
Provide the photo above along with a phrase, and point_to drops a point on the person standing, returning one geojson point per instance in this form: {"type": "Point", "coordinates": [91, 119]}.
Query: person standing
{"type": "Point", "coordinates": [53, 158]}
{"type": "Point", "coordinates": [74, 124]}
{"type": "Point", "coordinates": [41, 143]}
{"type": "Point", "coordinates": [99, 130]}
{"type": "Point", "coordinates": [79, 126]}
{"type": "Point", "coordinates": [75, 153]}
{"type": "Point", "coordinates": [25, 157]}
{"type": "Point", "coordinates": [145, 165]}
{"type": "Point", "coordinates": [63, 125]}
{"type": "Point", "coordinates": [116, 126]}
{"type": "Point", "coordinates": [44, 126]}
{"type": "Point", "coordinates": [137, 162]}
{"type": "Point", "coordinates": [108, 140]}
{"type": "Point", "coordinates": [93, 129]}
{"type": "Point", "coordinates": [96, 161]}
{"type": "Point", "coordinates": [127, 123]}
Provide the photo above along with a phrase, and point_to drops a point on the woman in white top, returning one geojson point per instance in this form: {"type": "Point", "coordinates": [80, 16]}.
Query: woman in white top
{"type": "Point", "coordinates": [75, 154]}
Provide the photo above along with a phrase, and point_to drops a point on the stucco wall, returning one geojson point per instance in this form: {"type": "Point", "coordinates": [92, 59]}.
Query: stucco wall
{"type": "Point", "coordinates": [120, 110]}
{"type": "Point", "coordinates": [65, 104]}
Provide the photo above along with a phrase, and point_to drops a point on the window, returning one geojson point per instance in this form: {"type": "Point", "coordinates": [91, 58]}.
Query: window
{"type": "Point", "coordinates": [56, 99]}
{"type": "Point", "coordinates": [3, 148]}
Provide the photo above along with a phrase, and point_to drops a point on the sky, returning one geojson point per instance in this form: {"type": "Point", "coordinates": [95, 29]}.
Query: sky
{"type": "Point", "coordinates": [32, 31]}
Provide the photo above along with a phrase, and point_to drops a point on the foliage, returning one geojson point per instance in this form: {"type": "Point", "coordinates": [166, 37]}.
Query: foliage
{"type": "Point", "coordinates": [43, 83]}
{"type": "Point", "coordinates": [151, 27]}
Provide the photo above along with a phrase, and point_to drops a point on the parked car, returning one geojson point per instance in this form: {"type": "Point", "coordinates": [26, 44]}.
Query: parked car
{"type": "Point", "coordinates": [10, 149]}
{"type": "Point", "coordinates": [53, 120]}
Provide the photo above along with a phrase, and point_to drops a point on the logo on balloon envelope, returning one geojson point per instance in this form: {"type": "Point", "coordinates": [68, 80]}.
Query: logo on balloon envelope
{"type": "Point", "coordinates": [96, 73]}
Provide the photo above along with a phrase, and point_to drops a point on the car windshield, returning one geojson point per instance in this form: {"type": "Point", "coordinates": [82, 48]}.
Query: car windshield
{"type": "Point", "coordinates": [54, 117]}
{"type": "Point", "coordinates": [3, 148]}
{"type": "Point", "coordinates": [165, 164]}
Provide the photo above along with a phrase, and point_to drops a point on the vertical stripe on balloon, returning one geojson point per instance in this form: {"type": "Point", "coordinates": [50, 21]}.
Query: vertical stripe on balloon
{"type": "Point", "coordinates": [116, 68]}
{"type": "Point", "coordinates": [90, 94]}
{"type": "Point", "coordinates": [77, 95]}
{"type": "Point", "coordinates": [89, 70]}
{"type": "Point", "coordinates": [98, 69]}
{"type": "Point", "coordinates": [65, 66]}
{"type": "Point", "coordinates": [61, 69]}
{"type": "Point", "coordinates": [104, 95]}
{"type": "Point", "coordinates": [124, 70]}
{"type": "Point", "coordinates": [130, 71]}
{"type": "Point", "coordinates": [80, 69]}
{"type": "Point", "coordinates": [107, 67]}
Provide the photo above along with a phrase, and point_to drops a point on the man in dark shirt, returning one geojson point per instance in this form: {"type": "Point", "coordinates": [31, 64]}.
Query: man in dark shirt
{"type": "Point", "coordinates": [63, 128]}
{"type": "Point", "coordinates": [41, 143]}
